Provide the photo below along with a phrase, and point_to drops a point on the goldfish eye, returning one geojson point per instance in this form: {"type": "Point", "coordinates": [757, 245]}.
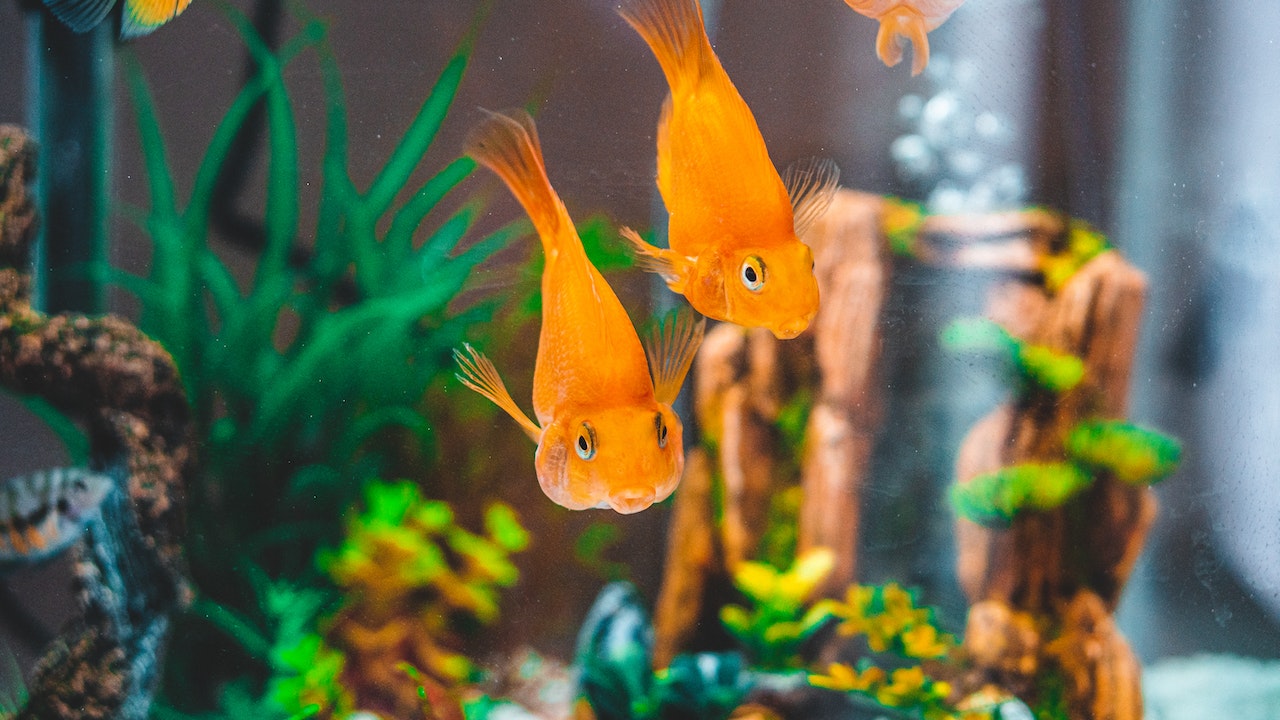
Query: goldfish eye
{"type": "Point", "coordinates": [752, 273]}
{"type": "Point", "coordinates": [586, 444]}
{"type": "Point", "coordinates": [662, 431]}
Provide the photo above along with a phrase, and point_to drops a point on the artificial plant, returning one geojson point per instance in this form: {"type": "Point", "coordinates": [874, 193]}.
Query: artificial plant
{"type": "Point", "coordinates": [300, 376]}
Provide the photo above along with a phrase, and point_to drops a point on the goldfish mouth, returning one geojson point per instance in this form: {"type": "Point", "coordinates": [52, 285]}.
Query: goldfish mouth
{"type": "Point", "coordinates": [631, 500]}
{"type": "Point", "coordinates": [789, 330]}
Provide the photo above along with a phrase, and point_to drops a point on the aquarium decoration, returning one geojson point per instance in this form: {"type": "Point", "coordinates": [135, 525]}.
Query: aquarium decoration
{"type": "Point", "coordinates": [778, 623]}
{"type": "Point", "coordinates": [1130, 453]}
{"type": "Point", "coordinates": [617, 678]}
{"type": "Point", "coordinates": [994, 499]}
{"type": "Point", "coordinates": [290, 418]}
{"type": "Point", "coordinates": [129, 568]}
{"type": "Point", "coordinates": [1038, 365]}
{"type": "Point", "coordinates": [1043, 584]}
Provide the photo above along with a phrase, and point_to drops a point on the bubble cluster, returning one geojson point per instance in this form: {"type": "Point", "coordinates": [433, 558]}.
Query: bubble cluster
{"type": "Point", "coordinates": [955, 156]}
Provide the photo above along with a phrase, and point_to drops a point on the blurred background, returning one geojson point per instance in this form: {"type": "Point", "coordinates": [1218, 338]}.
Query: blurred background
{"type": "Point", "coordinates": [1155, 120]}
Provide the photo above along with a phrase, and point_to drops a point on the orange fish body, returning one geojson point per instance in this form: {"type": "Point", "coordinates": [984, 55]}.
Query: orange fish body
{"type": "Point", "coordinates": [905, 19]}
{"type": "Point", "coordinates": [734, 246]}
{"type": "Point", "coordinates": [605, 430]}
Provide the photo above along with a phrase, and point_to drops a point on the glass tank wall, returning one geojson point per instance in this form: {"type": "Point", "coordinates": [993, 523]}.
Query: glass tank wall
{"type": "Point", "coordinates": [1036, 393]}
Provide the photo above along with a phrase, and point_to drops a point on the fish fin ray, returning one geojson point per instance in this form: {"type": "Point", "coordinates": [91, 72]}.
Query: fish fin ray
{"type": "Point", "coordinates": [479, 374]}
{"type": "Point", "coordinates": [508, 145]}
{"type": "Point", "coordinates": [670, 346]}
{"type": "Point", "coordinates": [80, 15]}
{"type": "Point", "coordinates": [668, 264]}
{"type": "Point", "coordinates": [675, 32]}
{"type": "Point", "coordinates": [810, 183]}
{"type": "Point", "coordinates": [903, 22]}
{"type": "Point", "coordinates": [142, 17]}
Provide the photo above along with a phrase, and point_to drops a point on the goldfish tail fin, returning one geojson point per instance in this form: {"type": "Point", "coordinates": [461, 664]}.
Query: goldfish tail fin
{"type": "Point", "coordinates": [509, 146]}
{"type": "Point", "coordinates": [674, 30]}
{"type": "Point", "coordinates": [479, 374]}
{"type": "Point", "coordinates": [673, 268]}
{"type": "Point", "coordinates": [903, 22]}
{"type": "Point", "coordinates": [80, 15]}
{"type": "Point", "coordinates": [670, 346]}
{"type": "Point", "coordinates": [811, 183]}
{"type": "Point", "coordinates": [141, 17]}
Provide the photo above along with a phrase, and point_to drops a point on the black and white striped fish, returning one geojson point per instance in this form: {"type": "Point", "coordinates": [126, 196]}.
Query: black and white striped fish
{"type": "Point", "coordinates": [42, 513]}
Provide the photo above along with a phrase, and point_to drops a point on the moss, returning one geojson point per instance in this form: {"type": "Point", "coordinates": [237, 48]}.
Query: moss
{"type": "Point", "coordinates": [1130, 453]}
{"type": "Point", "coordinates": [995, 499]}
{"type": "Point", "coordinates": [1033, 366]}
{"type": "Point", "coordinates": [1083, 243]}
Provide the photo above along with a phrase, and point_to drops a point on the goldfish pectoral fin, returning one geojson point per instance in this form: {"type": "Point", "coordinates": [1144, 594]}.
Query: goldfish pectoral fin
{"type": "Point", "coordinates": [811, 183]}
{"type": "Point", "coordinates": [671, 344]}
{"type": "Point", "coordinates": [903, 22]}
{"type": "Point", "coordinates": [479, 374]}
{"type": "Point", "coordinates": [668, 263]}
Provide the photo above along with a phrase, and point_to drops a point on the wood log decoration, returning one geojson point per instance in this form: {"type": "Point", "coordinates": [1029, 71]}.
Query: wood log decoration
{"type": "Point", "coordinates": [1044, 580]}
{"type": "Point", "coordinates": [746, 384]}
{"type": "Point", "coordinates": [124, 389]}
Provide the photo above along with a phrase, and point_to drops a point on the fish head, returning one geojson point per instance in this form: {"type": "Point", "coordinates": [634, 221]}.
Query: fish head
{"type": "Point", "coordinates": [84, 493]}
{"type": "Point", "coordinates": [771, 287]}
{"type": "Point", "coordinates": [624, 457]}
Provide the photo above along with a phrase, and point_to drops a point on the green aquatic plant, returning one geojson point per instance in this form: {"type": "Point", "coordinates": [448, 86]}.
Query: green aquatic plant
{"type": "Point", "coordinates": [413, 581]}
{"type": "Point", "coordinates": [892, 623]}
{"type": "Point", "coordinates": [1130, 453]}
{"type": "Point", "coordinates": [1036, 365]}
{"type": "Point", "coordinates": [994, 499]}
{"type": "Point", "coordinates": [306, 376]}
{"type": "Point", "coordinates": [781, 617]}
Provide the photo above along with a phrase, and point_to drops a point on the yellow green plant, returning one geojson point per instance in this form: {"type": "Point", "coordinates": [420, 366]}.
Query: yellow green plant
{"type": "Point", "coordinates": [781, 617]}
{"type": "Point", "coordinates": [994, 499]}
{"type": "Point", "coordinates": [889, 619]}
{"type": "Point", "coordinates": [412, 579]}
{"type": "Point", "coordinates": [1132, 454]}
{"type": "Point", "coordinates": [1037, 365]}
{"type": "Point", "coordinates": [1082, 244]}
{"type": "Point", "coordinates": [900, 221]}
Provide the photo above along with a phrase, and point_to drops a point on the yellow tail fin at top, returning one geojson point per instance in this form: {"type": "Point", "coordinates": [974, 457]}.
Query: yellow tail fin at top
{"type": "Point", "coordinates": [674, 30]}
{"type": "Point", "coordinates": [509, 146]}
{"type": "Point", "coordinates": [903, 22]}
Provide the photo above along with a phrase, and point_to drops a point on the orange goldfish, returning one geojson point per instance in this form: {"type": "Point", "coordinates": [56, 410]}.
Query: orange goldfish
{"type": "Point", "coordinates": [140, 16]}
{"type": "Point", "coordinates": [909, 19]}
{"type": "Point", "coordinates": [606, 433]}
{"type": "Point", "coordinates": [734, 246]}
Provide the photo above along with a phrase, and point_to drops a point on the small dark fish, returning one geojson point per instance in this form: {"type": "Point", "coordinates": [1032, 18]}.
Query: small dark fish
{"type": "Point", "coordinates": [43, 513]}
{"type": "Point", "coordinates": [140, 16]}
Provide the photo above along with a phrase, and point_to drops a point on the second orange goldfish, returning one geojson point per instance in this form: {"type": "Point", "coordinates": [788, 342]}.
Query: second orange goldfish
{"type": "Point", "coordinates": [909, 19]}
{"type": "Point", "coordinates": [606, 433]}
{"type": "Point", "coordinates": [734, 250]}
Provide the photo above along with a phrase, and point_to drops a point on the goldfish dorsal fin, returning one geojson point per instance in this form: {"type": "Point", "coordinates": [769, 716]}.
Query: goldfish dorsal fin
{"type": "Point", "coordinates": [675, 32]}
{"type": "Point", "coordinates": [908, 23]}
{"type": "Point", "coordinates": [671, 344]}
{"type": "Point", "coordinates": [811, 183]}
{"type": "Point", "coordinates": [479, 374]}
{"type": "Point", "coordinates": [508, 145]}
